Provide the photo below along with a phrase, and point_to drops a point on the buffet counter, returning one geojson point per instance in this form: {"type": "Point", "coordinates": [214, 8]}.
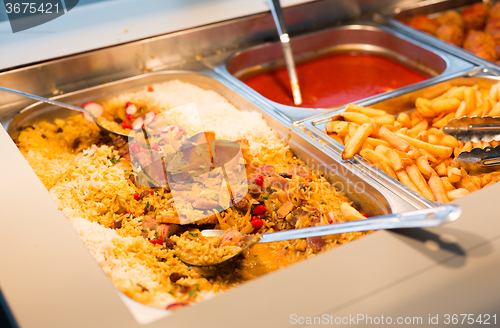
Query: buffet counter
{"type": "Point", "coordinates": [416, 277]}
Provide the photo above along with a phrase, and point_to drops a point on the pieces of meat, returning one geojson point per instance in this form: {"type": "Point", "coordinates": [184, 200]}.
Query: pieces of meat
{"type": "Point", "coordinates": [241, 204]}
{"type": "Point", "coordinates": [174, 277]}
{"type": "Point", "coordinates": [169, 243]}
{"type": "Point", "coordinates": [119, 142]}
{"type": "Point", "coordinates": [316, 243]}
{"type": "Point", "coordinates": [284, 209]}
{"type": "Point", "coordinates": [285, 175]}
{"type": "Point", "coordinates": [254, 192]}
{"type": "Point", "coordinates": [144, 193]}
{"type": "Point", "coordinates": [424, 23]}
{"type": "Point", "coordinates": [451, 17]}
{"type": "Point", "coordinates": [493, 29]}
{"type": "Point", "coordinates": [495, 11]}
{"type": "Point", "coordinates": [475, 16]}
{"type": "Point", "coordinates": [117, 224]}
{"type": "Point", "coordinates": [451, 33]}
{"type": "Point", "coordinates": [306, 217]}
{"type": "Point", "coordinates": [481, 44]}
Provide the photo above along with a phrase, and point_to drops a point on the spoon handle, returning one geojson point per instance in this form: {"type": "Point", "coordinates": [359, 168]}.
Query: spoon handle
{"type": "Point", "coordinates": [421, 218]}
{"type": "Point", "coordinates": [279, 20]}
{"type": "Point", "coordinates": [53, 102]}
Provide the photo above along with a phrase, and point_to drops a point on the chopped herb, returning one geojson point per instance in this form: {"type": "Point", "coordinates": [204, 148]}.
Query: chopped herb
{"type": "Point", "coordinates": [324, 203]}
{"type": "Point", "coordinates": [171, 293]}
{"type": "Point", "coordinates": [147, 204]}
{"type": "Point", "coordinates": [114, 160]}
{"type": "Point", "coordinates": [191, 293]}
{"type": "Point", "coordinates": [85, 154]}
{"type": "Point", "coordinates": [265, 197]}
{"type": "Point", "coordinates": [194, 234]}
{"type": "Point", "coordinates": [144, 230]}
{"type": "Point", "coordinates": [255, 256]}
{"type": "Point", "coordinates": [286, 247]}
{"type": "Point", "coordinates": [338, 242]}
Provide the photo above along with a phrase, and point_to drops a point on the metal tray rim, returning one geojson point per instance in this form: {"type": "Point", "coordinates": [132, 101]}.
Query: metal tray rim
{"type": "Point", "coordinates": [290, 112]}
{"type": "Point", "coordinates": [363, 164]}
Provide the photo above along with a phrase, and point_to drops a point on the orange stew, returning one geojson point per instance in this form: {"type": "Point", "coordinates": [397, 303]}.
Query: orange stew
{"type": "Point", "coordinates": [336, 80]}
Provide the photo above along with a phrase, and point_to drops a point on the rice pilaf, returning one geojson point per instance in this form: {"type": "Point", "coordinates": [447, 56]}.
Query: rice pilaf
{"type": "Point", "coordinates": [133, 231]}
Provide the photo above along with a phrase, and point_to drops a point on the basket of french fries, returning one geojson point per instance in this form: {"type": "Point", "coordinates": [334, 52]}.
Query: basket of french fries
{"type": "Point", "coordinates": [412, 148]}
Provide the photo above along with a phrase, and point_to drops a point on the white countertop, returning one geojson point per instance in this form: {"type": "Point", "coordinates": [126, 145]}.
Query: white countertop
{"type": "Point", "coordinates": [102, 24]}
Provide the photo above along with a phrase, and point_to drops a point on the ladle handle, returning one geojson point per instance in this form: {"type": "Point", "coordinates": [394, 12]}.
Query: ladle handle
{"type": "Point", "coordinates": [53, 102]}
{"type": "Point", "coordinates": [279, 20]}
{"type": "Point", "coordinates": [421, 218]}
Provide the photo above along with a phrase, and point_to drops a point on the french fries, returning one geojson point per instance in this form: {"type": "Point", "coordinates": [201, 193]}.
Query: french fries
{"type": "Point", "coordinates": [394, 140]}
{"type": "Point", "coordinates": [411, 146]}
{"type": "Point", "coordinates": [419, 181]}
{"type": "Point", "coordinates": [435, 150]}
{"type": "Point", "coordinates": [357, 140]}
{"type": "Point", "coordinates": [438, 189]}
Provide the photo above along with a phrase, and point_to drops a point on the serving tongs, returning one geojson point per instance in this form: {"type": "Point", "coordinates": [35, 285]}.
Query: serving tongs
{"type": "Point", "coordinates": [476, 129]}
{"type": "Point", "coordinates": [479, 160]}
{"type": "Point", "coordinates": [287, 49]}
{"type": "Point", "coordinates": [429, 217]}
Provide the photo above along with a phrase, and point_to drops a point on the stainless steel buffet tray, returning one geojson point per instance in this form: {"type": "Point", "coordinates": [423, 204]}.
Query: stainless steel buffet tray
{"type": "Point", "coordinates": [394, 105]}
{"type": "Point", "coordinates": [363, 192]}
{"type": "Point", "coordinates": [369, 38]}
{"type": "Point", "coordinates": [372, 197]}
{"type": "Point", "coordinates": [396, 16]}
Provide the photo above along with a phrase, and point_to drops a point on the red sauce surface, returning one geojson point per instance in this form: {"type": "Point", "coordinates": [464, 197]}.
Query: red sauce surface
{"type": "Point", "coordinates": [336, 80]}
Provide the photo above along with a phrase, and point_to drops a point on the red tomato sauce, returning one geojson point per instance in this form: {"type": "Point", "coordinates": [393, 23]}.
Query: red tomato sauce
{"type": "Point", "coordinates": [336, 80]}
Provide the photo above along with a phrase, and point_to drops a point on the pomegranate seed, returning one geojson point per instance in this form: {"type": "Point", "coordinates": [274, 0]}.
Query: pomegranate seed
{"type": "Point", "coordinates": [259, 210]}
{"type": "Point", "coordinates": [259, 180]}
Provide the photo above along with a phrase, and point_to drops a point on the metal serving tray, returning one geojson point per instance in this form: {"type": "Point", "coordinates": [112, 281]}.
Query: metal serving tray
{"type": "Point", "coordinates": [401, 103]}
{"type": "Point", "coordinates": [361, 38]}
{"type": "Point", "coordinates": [431, 8]}
{"type": "Point", "coordinates": [369, 195]}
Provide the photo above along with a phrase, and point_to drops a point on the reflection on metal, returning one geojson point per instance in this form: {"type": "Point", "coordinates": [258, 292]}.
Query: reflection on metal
{"type": "Point", "coordinates": [206, 176]}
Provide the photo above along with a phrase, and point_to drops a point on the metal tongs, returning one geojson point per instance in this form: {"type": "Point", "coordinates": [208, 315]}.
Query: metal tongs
{"type": "Point", "coordinates": [476, 129]}
{"type": "Point", "coordinates": [287, 49]}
